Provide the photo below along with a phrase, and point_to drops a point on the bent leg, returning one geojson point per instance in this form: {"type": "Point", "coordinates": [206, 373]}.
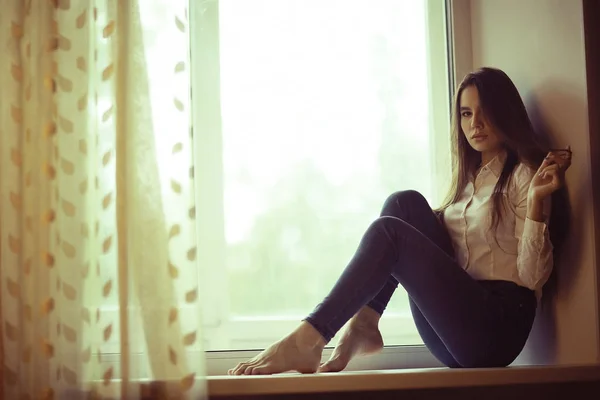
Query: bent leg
{"type": "Point", "coordinates": [414, 209]}
{"type": "Point", "coordinates": [411, 207]}
{"type": "Point", "coordinates": [460, 310]}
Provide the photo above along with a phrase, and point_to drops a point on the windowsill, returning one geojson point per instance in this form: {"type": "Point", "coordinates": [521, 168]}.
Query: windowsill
{"type": "Point", "coordinates": [429, 378]}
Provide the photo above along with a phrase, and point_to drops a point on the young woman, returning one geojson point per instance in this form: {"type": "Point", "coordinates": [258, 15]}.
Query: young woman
{"type": "Point", "coordinates": [474, 269]}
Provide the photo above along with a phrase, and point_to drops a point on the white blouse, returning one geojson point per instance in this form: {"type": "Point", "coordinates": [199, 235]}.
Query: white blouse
{"type": "Point", "coordinates": [519, 250]}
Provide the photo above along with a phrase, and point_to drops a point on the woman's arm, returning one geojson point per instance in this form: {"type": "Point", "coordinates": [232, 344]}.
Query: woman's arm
{"type": "Point", "coordinates": [535, 259]}
{"type": "Point", "coordinates": [535, 209]}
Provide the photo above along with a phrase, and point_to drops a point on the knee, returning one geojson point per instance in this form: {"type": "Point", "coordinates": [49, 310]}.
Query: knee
{"type": "Point", "coordinates": [387, 227]}
{"type": "Point", "coordinates": [404, 198]}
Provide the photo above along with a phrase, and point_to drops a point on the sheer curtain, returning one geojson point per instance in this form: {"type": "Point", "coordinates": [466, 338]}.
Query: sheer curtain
{"type": "Point", "coordinates": [97, 231]}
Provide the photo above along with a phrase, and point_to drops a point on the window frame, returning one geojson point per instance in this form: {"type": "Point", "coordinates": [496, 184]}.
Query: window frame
{"type": "Point", "coordinates": [441, 17]}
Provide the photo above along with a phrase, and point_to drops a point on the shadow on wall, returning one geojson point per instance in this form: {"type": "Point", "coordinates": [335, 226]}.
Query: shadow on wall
{"type": "Point", "coordinates": [547, 103]}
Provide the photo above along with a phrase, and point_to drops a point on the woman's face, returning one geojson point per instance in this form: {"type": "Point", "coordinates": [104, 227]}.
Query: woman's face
{"type": "Point", "coordinates": [481, 135]}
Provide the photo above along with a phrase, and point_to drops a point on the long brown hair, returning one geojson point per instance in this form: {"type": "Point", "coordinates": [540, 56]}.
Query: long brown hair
{"type": "Point", "coordinates": [504, 109]}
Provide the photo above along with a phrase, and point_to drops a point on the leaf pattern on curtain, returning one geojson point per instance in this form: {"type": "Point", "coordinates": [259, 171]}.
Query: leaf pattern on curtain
{"type": "Point", "coordinates": [97, 240]}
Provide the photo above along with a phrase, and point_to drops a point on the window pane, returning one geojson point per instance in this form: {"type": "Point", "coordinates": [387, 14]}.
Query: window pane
{"type": "Point", "coordinates": [325, 112]}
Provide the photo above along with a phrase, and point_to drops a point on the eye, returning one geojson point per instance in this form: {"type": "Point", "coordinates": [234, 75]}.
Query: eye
{"type": "Point", "coordinates": [466, 114]}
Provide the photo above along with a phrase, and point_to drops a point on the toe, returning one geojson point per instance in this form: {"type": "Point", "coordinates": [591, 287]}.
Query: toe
{"type": "Point", "coordinates": [233, 371]}
{"type": "Point", "coordinates": [239, 370]}
{"type": "Point", "coordinates": [334, 365]}
{"type": "Point", "coordinates": [325, 367]}
{"type": "Point", "coordinates": [262, 370]}
{"type": "Point", "coordinates": [250, 365]}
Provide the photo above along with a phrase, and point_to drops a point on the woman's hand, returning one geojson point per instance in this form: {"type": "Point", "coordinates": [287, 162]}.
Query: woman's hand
{"type": "Point", "coordinates": [551, 175]}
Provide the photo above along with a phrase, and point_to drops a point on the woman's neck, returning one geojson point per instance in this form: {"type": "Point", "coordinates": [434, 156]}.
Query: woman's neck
{"type": "Point", "coordinates": [488, 156]}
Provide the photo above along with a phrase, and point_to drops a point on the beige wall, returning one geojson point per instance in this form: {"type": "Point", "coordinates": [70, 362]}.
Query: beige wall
{"type": "Point", "coordinates": [540, 45]}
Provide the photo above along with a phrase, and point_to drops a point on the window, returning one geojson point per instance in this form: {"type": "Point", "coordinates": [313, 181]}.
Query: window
{"type": "Point", "coordinates": [307, 115]}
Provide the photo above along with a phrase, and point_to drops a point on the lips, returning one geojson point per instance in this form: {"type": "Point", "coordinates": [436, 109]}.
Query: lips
{"type": "Point", "coordinates": [479, 136]}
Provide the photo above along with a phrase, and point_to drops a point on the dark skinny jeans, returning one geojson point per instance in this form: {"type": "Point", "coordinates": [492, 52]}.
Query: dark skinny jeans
{"type": "Point", "coordinates": [462, 321]}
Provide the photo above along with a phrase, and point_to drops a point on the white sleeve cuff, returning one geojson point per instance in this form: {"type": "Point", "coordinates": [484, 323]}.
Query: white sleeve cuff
{"type": "Point", "coordinates": [534, 230]}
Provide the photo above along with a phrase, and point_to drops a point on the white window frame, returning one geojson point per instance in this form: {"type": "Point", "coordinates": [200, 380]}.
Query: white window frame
{"type": "Point", "coordinates": [206, 117]}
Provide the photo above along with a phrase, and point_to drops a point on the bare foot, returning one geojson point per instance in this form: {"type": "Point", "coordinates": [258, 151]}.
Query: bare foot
{"type": "Point", "coordinates": [361, 337]}
{"type": "Point", "coordinates": [299, 351]}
